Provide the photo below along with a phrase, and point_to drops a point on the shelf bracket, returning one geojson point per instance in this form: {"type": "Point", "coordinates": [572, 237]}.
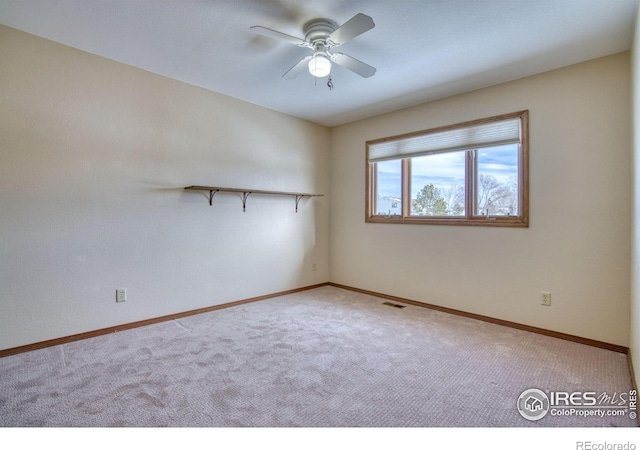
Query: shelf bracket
{"type": "Point", "coordinates": [245, 195]}
{"type": "Point", "coordinates": [211, 194]}
{"type": "Point", "coordinates": [298, 198]}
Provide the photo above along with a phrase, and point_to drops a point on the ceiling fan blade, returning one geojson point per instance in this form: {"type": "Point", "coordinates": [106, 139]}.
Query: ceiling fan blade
{"type": "Point", "coordinates": [297, 69]}
{"type": "Point", "coordinates": [354, 65]}
{"type": "Point", "coordinates": [353, 27]}
{"type": "Point", "coordinates": [268, 32]}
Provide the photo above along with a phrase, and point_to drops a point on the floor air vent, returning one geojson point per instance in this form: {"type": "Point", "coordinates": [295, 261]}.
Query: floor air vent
{"type": "Point", "coordinates": [395, 305]}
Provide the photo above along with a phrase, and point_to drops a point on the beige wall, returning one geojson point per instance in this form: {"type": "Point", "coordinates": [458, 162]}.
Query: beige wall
{"type": "Point", "coordinates": [94, 155]}
{"type": "Point", "coordinates": [578, 243]}
{"type": "Point", "coordinates": [93, 158]}
{"type": "Point", "coordinates": [634, 344]}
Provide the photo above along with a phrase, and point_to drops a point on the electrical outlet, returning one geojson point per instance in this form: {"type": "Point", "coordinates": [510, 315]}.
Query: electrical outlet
{"type": "Point", "coordinates": [121, 295]}
{"type": "Point", "coordinates": [313, 267]}
{"type": "Point", "coordinates": [546, 298]}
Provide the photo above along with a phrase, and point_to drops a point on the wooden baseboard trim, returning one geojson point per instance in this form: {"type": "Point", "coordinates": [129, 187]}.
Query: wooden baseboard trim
{"type": "Point", "coordinates": [142, 323]}
{"type": "Point", "coordinates": [632, 372]}
{"type": "Point", "coordinates": [506, 323]}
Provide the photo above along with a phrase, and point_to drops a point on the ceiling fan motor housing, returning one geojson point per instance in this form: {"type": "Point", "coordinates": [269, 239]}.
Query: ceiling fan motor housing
{"type": "Point", "coordinates": [318, 30]}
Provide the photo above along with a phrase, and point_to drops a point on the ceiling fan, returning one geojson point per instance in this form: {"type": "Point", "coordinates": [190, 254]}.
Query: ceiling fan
{"type": "Point", "coordinates": [321, 36]}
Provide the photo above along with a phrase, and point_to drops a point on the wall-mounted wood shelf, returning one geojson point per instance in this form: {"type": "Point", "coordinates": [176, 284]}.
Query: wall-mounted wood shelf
{"type": "Point", "coordinates": [247, 192]}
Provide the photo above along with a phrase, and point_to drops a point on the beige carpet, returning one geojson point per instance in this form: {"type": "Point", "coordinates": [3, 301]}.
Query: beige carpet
{"type": "Point", "coordinates": [325, 357]}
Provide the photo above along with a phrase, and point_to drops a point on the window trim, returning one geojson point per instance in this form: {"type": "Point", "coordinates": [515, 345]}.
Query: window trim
{"type": "Point", "coordinates": [522, 220]}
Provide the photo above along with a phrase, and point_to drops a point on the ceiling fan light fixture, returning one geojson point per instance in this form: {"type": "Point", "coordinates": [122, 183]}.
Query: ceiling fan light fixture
{"type": "Point", "coordinates": [319, 66]}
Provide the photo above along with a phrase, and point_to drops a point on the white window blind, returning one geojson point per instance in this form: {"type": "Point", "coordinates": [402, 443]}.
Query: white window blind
{"type": "Point", "coordinates": [464, 138]}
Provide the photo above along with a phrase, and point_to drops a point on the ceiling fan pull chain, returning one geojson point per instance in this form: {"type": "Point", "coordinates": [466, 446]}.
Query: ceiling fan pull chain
{"type": "Point", "coordinates": [330, 83]}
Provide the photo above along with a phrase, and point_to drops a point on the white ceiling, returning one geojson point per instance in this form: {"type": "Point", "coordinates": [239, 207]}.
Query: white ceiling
{"type": "Point", "coordinates": [423, 50]}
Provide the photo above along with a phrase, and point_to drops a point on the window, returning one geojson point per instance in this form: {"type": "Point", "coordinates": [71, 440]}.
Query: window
{"type": "Point", "coordinates": [473, 173]}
